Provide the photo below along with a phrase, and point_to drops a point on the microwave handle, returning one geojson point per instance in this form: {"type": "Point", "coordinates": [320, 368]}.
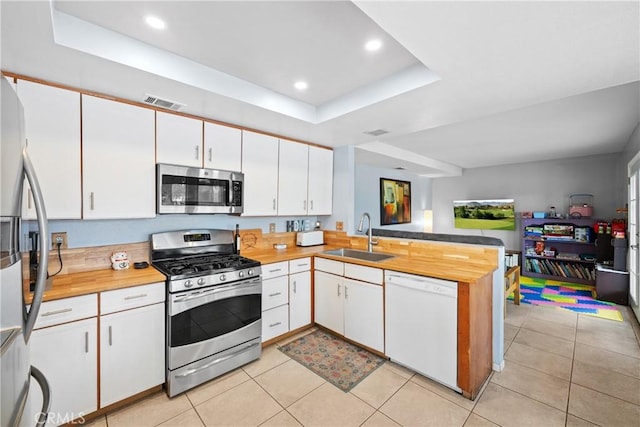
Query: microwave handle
{"type": "Point", "coordinates": [230, 199]}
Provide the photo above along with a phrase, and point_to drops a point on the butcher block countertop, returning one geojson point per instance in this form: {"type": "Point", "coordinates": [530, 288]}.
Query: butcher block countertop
{"type": "Point", "coordinates": [89, 282]}
{"type": "Point", "coordinates": [458, 270]}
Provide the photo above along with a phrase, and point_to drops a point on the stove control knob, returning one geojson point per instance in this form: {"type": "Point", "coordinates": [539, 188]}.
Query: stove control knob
{"type": "Point", "coordinates": [201, 281]}
{"type": "Point", "coordinates": [222, 277]}
{"type": "Point", "coordinates": [188, 284]}
{"type": "Point", "coordinates": [250, 272]}
{"type": "Point", "coordinates": [240, 273]}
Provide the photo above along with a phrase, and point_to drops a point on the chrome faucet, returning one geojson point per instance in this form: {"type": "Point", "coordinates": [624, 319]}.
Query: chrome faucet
{"type": "Point", "coordinates": [370, 242]}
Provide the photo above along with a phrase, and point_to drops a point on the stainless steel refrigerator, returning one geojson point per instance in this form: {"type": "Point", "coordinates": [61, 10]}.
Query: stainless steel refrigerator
{"type": "Point", "coordinates": [16, 320]}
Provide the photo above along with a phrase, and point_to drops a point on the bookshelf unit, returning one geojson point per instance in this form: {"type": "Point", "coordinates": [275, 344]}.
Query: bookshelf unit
{"type": "Point", "coordinates": [574, 252]}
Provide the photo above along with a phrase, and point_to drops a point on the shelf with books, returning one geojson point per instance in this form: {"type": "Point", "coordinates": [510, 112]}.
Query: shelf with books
{"type": "Point", "coordinates": [559, 249]}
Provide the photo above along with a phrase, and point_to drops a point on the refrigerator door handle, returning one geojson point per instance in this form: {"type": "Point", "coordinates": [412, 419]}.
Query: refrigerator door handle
{"type": "Point", "coordinates": [46, 395]}
{"type": "Point", "coordinates": [43, 226]}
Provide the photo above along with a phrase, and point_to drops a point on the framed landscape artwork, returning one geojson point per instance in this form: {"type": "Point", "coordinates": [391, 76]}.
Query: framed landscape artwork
{"type": "Point", "coordinates": [395, 201]}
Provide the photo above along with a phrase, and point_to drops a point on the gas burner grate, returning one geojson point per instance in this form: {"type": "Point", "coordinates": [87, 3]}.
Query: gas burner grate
{"type": "Point", "coordinates": [202, 265]}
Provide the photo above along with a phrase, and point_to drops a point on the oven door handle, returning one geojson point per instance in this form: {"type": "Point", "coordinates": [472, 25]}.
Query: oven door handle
{"type": "Point", "coordinates": [213, 291]}
{"type": "Point", "coordinates": [218, 360]}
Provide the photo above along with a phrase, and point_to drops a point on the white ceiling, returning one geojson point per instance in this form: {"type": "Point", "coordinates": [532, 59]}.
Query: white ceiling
{"type": "Point", "coordinates": [457, 84]}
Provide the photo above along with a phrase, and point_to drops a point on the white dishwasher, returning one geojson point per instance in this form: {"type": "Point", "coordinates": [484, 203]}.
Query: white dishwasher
{"type": "Point", "coordinates": [421, 325]}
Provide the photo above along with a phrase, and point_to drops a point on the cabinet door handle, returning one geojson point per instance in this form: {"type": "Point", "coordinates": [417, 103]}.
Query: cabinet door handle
{"type": "Point", "coordinates": [197, 152]}
{"type": "Point", "coordinates": [275, 324]}
{"type": "Point", "coordinates": [311, 204]}
{"type": "Point", "coordinates": [346, 290]}
{"type": "Point", "coordinates": [338, 289]}
{"type": "Point", "coordinates": [135, 296]}
{"type": "Point", "coordinates": [52, 313]}
{"type": "Point", "coordinates": [29, 197]}
{"type": "Point", "coordinates": [294, 286]}
{"type": "Point", "coordinates": [275, 295]}
{"type": "Point", "coordinates": [86, 342]}
{"type": "Point", "coordinates": [304, 203]}
{"type": "Point", "coordinates": [210, 154]}
{"type": "Point", "coordinates": [274, 204]}
{"type": "Point", "coordinates": [275, 271]}
{"type": "Point", "coordinates": [110, 336]}
{"type": "Point", "coordinates": [91, 201]}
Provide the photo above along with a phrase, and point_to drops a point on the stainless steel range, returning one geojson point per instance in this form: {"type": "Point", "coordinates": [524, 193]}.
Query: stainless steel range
{"type": "Point", "coordinates": [213, 305]}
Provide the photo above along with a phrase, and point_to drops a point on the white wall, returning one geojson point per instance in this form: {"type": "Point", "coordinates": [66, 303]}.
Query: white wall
{"type": "Point", "coordinates": [367, 196]}
{"type": "Point", "coordinates": [535, 186]}
{"type": "Point", "coordinates": [343, 190]}
{"type": "Point", "coordinates": [631, 149]}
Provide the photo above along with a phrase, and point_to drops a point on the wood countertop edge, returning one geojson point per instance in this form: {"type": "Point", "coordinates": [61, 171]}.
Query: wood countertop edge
{"type": "Point", "coordinates": [89, 282]}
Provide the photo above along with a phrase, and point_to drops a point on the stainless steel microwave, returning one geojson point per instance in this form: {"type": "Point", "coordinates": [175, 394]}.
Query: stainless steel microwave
{"type": "Point", "coordinates": [189, 190]}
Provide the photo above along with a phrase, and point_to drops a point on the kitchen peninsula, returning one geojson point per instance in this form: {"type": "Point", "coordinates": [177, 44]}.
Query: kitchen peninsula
{"type": "Point", "coordinates": [471, 266]}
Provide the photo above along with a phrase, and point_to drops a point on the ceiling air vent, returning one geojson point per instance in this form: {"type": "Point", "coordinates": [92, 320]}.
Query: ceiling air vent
{"type": "Point", "coordinates": [163, 103]}
{"type": "Point", "coordinates": [377, 132]}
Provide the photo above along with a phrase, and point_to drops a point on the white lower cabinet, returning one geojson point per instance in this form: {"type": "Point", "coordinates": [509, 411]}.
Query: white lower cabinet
{"type": "Point", "coordinates": [275, 322]}
{"type": "Point", "coordinates": [65, 351]}
{"type": "Point", "coordinates": [363, 313]}
{"type": "Point", "coordinates": [299, 299]}
{"type": "Point", "coordinates": [329, 300]}
{"type": "Point", "coordinates": [286, 297]}
{"type": "Point", "coordinates": [352, 308]}
{"type": "Point", "coordinates": [132, 342]}
{"type": "Point", "coordinates": [64, 346]}
{"type": "Point", "coordinates": [299, 293]}
{"type": "Point", "coordinates": [275, 300]}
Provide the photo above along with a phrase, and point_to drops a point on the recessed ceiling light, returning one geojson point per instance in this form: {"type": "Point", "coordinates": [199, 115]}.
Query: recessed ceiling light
{"type": "Point", "coordinates": [373, 45]}
{"type": "Point", "coordinates": [300, 85]}
{"type": "Point", "coordinates": [155, 22]}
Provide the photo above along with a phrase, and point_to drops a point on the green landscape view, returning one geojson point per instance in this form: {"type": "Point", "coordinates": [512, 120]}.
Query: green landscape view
{"type": "Point", "coordinates": [484, 214]}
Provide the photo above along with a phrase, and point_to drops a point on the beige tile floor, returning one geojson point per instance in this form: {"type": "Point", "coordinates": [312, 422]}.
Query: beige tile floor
{"type": "Point", "coordinates": [561, 369]}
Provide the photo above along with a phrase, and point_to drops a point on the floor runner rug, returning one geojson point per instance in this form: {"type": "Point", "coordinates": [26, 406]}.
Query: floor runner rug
{"type": "Point", "coordinates": [568, 296]}
{"type": "Point", "coordinates": [337, 361]}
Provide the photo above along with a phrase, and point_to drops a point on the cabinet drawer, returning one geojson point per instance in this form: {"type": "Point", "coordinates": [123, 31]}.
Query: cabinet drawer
{"type": "Point", "coordinates": [275, 292]}
{"type": "Point", "coordinates": [275, 269]}
{"type": "Point", "coordinates": [298, 265]}
{"type": "Point", "coordinates": [275, 322]}
{"type": "Point", "coordinates": [127, 298]}
{"type": "Point", "coordinates": [330, 266]}
{"type": "Point", "coordinates": [67, 310]}
{"type": "Point", "coordinates": [363, 273]}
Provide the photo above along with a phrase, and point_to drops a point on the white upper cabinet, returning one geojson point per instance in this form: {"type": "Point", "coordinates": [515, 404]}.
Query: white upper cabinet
{"type": "Point", "coordinates": [292, 178]}
{"type": "Point", "coordinates": [260, 168]}
{"type": "Point", "coordinates": [222, 147]}
{"type": "Point", "coordinates": [52, 128]}
{"type": "Point", "coordinates": [320, 190]}
{"type": "Point", "coordinates": [118, 160]}
{"type": "Point", "coordinates": [305, 184]}
{"type": "Point", "coordinates": [178, 140]}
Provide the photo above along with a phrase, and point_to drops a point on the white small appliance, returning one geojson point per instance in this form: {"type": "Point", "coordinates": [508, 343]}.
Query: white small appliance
{"type": "Point", "coordinates": [310, 238]}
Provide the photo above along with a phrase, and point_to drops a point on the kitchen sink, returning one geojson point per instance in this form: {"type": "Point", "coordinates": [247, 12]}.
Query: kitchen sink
{"type": "Point", "coordinates": [363, 255]}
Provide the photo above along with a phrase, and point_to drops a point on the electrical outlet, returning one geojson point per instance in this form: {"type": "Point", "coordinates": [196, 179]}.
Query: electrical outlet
{"type": "Point", "coordinates": [272, 227]}
{"type": "Point", "coordinates": [59, 237]}
{"type": "Point", "coordinates": [339, 225]}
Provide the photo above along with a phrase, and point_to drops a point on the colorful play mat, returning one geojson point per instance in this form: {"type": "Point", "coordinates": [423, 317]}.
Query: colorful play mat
{"type": "Point", "coordinates": [568, 296]}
